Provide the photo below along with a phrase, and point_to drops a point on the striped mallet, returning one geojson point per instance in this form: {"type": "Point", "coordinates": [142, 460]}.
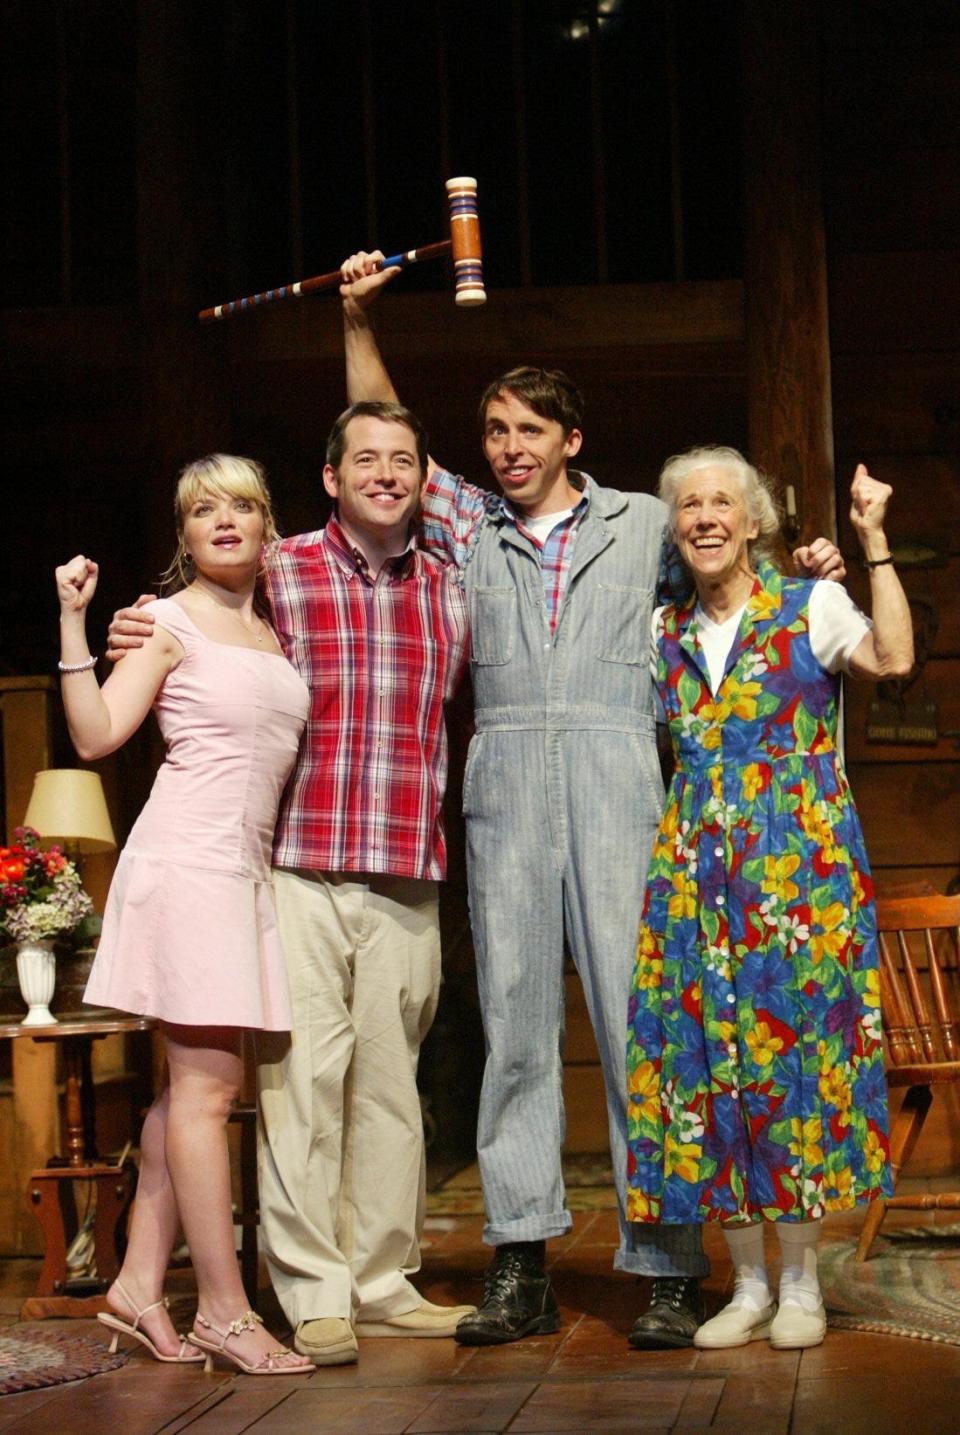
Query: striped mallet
{"type": "Point", "coordinates": [464, 244]}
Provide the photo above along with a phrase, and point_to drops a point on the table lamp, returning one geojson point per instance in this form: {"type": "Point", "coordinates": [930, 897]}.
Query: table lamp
{"type": "Point", "coordinates": [67, 806]}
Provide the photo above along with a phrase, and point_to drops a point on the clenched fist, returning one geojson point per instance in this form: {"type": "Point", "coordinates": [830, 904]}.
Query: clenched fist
{"type": "Point", "coordinates": [868, 502]}
{"type": "Point", "coordinates": [76, 584]}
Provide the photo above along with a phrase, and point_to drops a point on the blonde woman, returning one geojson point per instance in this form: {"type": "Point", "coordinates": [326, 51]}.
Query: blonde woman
{"type": "Point", "coordinates": [189, 935]}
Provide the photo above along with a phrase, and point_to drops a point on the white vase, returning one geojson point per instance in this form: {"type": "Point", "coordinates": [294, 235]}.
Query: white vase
{"type": "Point", "coordinates": [37, 973]}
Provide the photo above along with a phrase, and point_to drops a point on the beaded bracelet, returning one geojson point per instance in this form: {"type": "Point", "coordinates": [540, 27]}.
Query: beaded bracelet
{"type": "Point", "coordinates": [877, 562]}
{"type": "Point", "coordinates": [76, 667]}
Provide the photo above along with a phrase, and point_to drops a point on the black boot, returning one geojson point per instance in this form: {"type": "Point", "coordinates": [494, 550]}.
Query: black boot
{"type": "Point", "coordinates": [518, 1299]}
{"type": "Point", "coordinates": [672, 1317]}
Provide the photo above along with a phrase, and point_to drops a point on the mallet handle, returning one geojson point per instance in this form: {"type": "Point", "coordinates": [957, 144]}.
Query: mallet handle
{"type": "Point", "coordinates": [319, 282]}
{"type": "Point", "coordinates": [416, 256]}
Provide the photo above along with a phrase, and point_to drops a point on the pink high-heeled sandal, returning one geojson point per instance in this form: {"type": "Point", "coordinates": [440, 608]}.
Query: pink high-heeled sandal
{"type": "Point", "coordinates": [119, 1326]}
{"type": "Point", "coordinates": [265, 1366]}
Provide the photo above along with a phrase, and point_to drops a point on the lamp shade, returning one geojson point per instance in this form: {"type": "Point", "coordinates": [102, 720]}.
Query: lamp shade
{"type": "Point", "coordinates": [67, 805]}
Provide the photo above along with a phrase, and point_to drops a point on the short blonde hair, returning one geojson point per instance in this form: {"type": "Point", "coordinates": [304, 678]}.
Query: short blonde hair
{"type": "Point", "coordinates": [757, 489]}
{"type": "Point", "coordinates": [219, 475]}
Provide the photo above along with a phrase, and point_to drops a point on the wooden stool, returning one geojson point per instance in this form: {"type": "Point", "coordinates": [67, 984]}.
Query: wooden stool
{"type": "Point", "coordinates": [52, 1189]}
{"type": "Point", "coordinates": [54, 1199]}
{"type": "Point", "coordinates": [244, 1114]}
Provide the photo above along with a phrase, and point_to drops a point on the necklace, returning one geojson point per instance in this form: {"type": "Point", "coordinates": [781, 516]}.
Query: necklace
{"type": "Point", "coordinates": [257, 634]}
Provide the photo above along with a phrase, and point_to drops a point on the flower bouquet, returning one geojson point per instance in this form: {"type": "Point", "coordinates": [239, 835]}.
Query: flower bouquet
{"type": "Point", "coordinates": [40, 892]}
{"type": "Point", "coordinates": [40, 898]}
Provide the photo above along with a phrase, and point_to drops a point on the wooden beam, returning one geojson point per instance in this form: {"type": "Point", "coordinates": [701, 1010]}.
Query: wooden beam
{"type": "Point", "coordinates": [511, 326]}
{"type": "Point", "coordinates": [785, 275]}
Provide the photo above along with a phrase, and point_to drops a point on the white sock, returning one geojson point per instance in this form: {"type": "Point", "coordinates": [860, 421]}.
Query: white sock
{"type": "Point", "coordinates": [798, 1271]}
{"type": "Point", "coordinates": [745, 1244]}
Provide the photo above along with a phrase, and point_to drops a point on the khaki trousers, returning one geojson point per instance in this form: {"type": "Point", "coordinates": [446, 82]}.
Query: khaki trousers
{"type": "Point", "coordinates": [341, 1136]}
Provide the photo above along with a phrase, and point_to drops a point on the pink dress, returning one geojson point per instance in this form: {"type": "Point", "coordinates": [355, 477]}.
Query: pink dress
{"type": "Point", "coordinates": [189, 932]}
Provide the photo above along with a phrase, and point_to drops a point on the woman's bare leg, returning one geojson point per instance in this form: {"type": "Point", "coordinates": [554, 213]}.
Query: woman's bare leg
{"type": "Point", "coordinates": [206, 1070]}
{"type": "Point", "coordinates": [153, 1230]}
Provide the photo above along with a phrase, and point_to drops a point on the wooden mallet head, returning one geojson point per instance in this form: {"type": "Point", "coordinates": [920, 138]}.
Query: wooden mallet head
{"type": "Point", "coordinates": [464, 244]}
{"type": "Point", "coordinates": [465, 241]}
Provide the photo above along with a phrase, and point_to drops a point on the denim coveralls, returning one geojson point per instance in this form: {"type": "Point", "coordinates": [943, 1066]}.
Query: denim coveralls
{"type": "Point", "coordinates": [562, 795]}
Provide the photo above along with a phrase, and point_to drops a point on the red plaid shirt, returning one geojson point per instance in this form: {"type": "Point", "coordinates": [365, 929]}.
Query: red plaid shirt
{"type": "Point", "coordinates": [380, 656]}
{"type": "Point", "coordinates": [453, 511]}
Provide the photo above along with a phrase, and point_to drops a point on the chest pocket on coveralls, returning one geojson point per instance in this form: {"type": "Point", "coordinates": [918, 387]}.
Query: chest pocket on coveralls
{"type": "Point", "coordinates": [493, 625]}
{"type": "Point", "coordinates": [623, 623]}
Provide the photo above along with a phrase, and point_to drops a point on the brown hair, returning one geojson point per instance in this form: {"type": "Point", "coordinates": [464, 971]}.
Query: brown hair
{"type": "Point", "coordinates": [549, 392]}
{"type": "Point", "coordinates": [390, 413]}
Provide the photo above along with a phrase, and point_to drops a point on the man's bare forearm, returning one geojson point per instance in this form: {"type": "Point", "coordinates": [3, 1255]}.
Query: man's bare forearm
{"type": "Point", "coordinates": [363, 280]}
{"type": "Point", "coordinates": [367, 377]}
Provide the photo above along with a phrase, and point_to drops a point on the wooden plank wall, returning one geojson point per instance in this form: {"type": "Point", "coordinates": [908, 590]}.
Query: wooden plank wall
{"type": "Point", "coordinates": [892, 202]}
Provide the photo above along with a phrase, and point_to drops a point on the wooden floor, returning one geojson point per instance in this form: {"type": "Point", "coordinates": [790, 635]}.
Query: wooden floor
{"type": "Point", "coordinates": [584, 1379]}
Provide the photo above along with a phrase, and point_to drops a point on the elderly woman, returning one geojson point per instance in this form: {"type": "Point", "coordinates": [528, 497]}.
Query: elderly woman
{"type": "Point", "coordinates": [754, 1058]}
{"type": "Point", "coordinates": [189, 934]}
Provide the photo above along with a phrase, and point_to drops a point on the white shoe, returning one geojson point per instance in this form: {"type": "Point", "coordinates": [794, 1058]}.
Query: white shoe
{"type": "Point", "coordinates": [795, 1328]}
{"type": "Point", "coordinates": [735, 1325]}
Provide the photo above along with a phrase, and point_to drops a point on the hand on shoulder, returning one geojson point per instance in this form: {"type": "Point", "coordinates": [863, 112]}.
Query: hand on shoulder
{"type": "Point", "coordinates": [129, 628]}
{"type": "Point", "coordinates": [820, 559]}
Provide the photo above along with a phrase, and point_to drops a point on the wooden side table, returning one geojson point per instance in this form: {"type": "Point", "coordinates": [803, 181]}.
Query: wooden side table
{"type": "Point", "coordinates": [53, 1187]}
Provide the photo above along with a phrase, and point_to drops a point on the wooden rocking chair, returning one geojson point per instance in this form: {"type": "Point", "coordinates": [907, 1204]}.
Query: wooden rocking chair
{"type": "Point", "coordinates": [919, 947]}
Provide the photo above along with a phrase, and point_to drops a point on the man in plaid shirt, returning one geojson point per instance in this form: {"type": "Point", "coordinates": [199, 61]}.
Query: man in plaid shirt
{"type": "Point", "coordinates": [377, 628]}
{"type": "Point", "coordinates": [562, 793]}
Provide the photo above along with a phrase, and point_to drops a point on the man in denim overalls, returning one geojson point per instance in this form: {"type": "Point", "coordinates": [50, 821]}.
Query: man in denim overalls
{"type": "Point", "coordinates": [562, 794]}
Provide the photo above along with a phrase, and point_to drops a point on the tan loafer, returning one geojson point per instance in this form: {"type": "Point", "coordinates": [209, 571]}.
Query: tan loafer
{"type": "Point", "coordinates": [795, 1328]}
{"type": "Point", "coordinates": [328, 1340]}
{"type": "Point", "coordinates": [425, 1321]}
{"type": "Point", "coordinates": [735, 1325]}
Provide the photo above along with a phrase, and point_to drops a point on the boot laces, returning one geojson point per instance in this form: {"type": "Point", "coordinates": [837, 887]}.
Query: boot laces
{"type": "Point", "coordinates": [503, 1274]}
{"type": "Point", "coordinates": [669, 1290]}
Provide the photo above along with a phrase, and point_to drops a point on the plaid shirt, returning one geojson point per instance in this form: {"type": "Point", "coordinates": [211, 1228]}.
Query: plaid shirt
{"type": "Point", "coordinates": [380, 656]}
{"type": "Point", "coordinates": [452, 516]}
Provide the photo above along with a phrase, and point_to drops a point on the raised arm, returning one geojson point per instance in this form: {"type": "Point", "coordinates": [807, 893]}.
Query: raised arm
{"type": "Point", "coordinates": [101, 719]}
{"type": "Point", "coordinates": [451, 509]}
{"type": "Point", "coordinates": [887, 650]}
{"type": "Point", "coordinates": [367, 377]}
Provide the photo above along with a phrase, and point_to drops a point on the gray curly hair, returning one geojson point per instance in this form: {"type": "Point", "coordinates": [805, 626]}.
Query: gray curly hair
{"type": "Point", "coordinates": [762, 506]}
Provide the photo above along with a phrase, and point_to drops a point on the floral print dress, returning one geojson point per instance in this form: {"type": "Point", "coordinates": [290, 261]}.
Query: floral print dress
{"type": "Point", "coordinates": [754, 1060]}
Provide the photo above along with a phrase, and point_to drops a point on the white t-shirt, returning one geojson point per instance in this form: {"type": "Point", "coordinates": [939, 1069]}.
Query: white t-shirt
{"type": "Point", "coordinates": [837, 627]}
{"type": "Point", "coordinates": [544, 523]}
